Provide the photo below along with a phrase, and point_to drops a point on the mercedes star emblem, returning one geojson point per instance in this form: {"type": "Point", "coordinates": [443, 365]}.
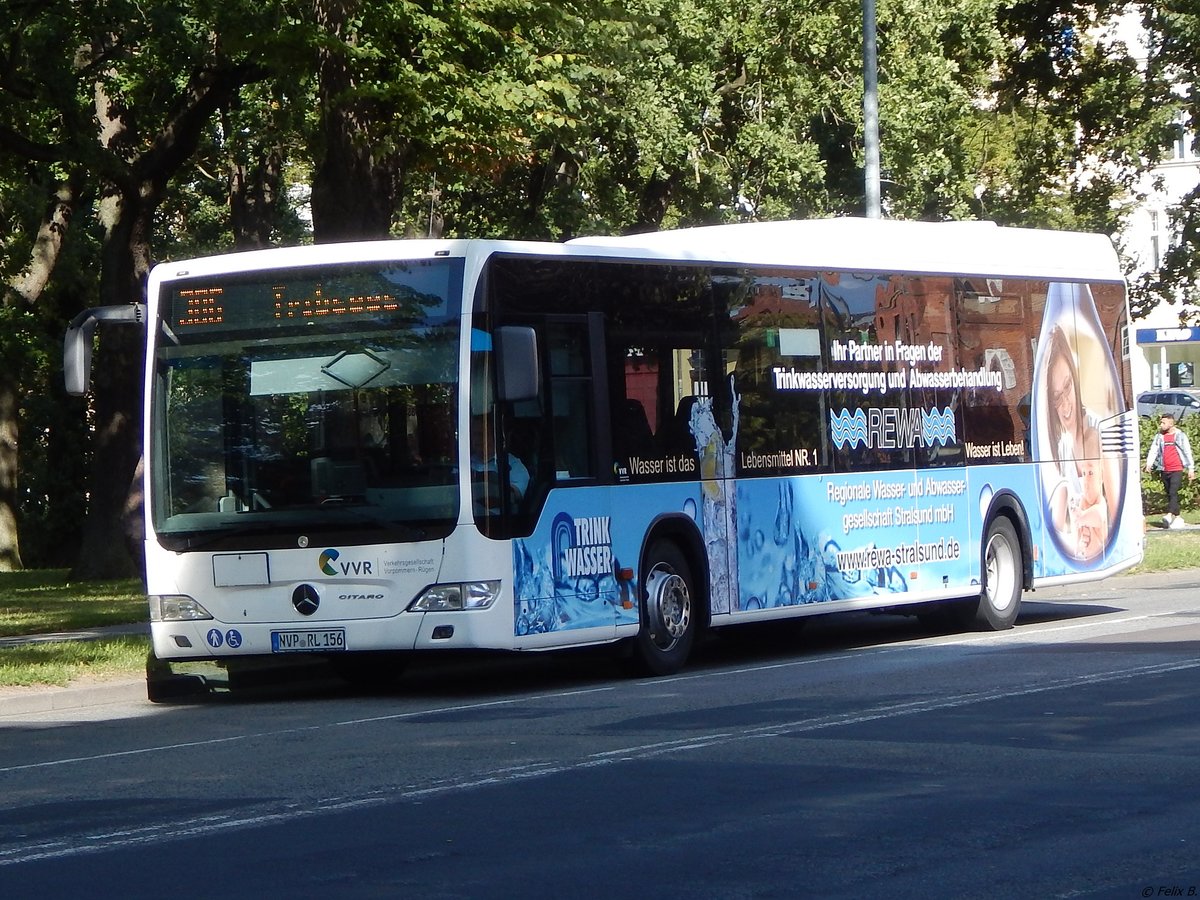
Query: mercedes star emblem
{"type": "Point", "coordinates": [305, 599]}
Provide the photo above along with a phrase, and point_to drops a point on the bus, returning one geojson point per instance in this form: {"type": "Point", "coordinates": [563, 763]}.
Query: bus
{"type": "Point", "coordinates": [367, 450]}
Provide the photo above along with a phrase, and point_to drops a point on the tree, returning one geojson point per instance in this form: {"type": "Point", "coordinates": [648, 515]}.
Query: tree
{"type": "Point", "coordinates": [421, 97]}
{"type": "Point", "coordinates": [129, 110]}
{"type": "Point", "coordinates": [1068, 118]}
{"type": "Point", "coordinates": [240, 190]}
{"type": "Point", "coordinates": [1174, 29]}
{"type": "Point", "coordinates": [184, 128]}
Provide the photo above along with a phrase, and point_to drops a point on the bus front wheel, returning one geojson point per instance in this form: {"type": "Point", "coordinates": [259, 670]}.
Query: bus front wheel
{"type": "Point", "coordinates": [1000, 599]}
{"type": "Point", "coordinates": [668, 612]}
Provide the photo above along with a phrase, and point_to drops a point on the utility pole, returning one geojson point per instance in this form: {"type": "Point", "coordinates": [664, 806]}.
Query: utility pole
{"type": "Point", "coordinates": [871, 111]}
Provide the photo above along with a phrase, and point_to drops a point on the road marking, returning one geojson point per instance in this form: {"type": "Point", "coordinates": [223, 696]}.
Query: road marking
{"type": "Point", "coordinates": [1020, 635]}
{"type": "Point", "coordinates": [211, 742]}
{"type": "Point", "coordinates": [290, 812]}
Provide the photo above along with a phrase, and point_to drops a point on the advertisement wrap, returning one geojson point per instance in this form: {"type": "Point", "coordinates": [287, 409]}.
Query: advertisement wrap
{"type": "Point", "coordinates": [1081, 432]}
{"type": "Point", "coordinates": [893, 499]}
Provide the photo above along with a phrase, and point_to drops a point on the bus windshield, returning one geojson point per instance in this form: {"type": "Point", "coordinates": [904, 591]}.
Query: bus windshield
{"type": "Point", "coordinates": [303, 401]}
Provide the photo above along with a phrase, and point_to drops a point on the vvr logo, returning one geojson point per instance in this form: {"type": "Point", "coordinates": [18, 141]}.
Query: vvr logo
{"type": "Point", "coordinates": [354, 567]}
{"type": "Point", "coordinates": [328, 558]}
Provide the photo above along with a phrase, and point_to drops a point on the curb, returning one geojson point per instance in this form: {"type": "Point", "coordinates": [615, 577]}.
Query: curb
{"type": "Point", "coordinates": [79, 696]}
{"type": "Point", "coordinates": [55, 699]}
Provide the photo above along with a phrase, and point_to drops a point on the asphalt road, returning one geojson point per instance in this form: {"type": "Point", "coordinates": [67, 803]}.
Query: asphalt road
{"type": "Point", "coordinates": [864, 757]}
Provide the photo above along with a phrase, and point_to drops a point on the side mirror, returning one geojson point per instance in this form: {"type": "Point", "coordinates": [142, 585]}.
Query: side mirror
{"type": "Point", "coordinates": [77, 342]}
{"type": "Point", "coordinates": [518, 377]}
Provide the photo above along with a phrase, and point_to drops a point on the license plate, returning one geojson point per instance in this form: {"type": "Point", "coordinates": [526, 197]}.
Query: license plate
{"type": "Point", "coordinates": [309, 640]}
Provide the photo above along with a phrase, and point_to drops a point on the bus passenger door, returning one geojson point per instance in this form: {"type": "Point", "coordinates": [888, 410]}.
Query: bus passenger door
{"type": "Point", "coordinates": [566, 566]}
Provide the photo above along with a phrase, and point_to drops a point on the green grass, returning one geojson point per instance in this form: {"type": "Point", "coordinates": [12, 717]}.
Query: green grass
{"type": "Point", "coordinates": [62, 662]}
{"type": "Point", "coordinates": [43, 601]}
{"type": "Point", "coordinates": [1167, 550]}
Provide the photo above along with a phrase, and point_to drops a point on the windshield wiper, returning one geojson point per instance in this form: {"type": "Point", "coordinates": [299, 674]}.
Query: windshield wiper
{"type": "Point", "coordinates": [196, 540]}
{"type": "Point", "coordinates": [352, 516]}
{"type": "Point", "coordinates": [350, 520]}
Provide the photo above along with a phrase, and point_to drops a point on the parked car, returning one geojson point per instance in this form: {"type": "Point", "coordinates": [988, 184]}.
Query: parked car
{"type": "Point", "coordinates": [1178, 403]}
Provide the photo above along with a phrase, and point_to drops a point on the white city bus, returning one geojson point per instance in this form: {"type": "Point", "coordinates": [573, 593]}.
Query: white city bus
{"type": "Point", "coordinates": [365, 450]}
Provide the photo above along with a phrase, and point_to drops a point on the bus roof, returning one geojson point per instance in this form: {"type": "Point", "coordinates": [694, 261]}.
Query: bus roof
{"type": "Point", "coordinates": [842, 244]}
{"type": "Point", "coordinates": [882, 245]}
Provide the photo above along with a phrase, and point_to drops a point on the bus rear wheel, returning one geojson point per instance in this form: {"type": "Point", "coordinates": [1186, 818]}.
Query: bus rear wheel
{"type": "Point", "coordinates": [1000, 599]}
{"type": "Point", "coordinates": [669, 612]}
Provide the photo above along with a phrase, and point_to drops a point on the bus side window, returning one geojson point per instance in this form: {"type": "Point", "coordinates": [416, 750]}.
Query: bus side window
{"type": "Point", "coordinates": [570, 399]}
{"type": "Point", "coordinates": [524, 435]}
{"type": "Point", "coordinates": [772, 330]}
{"type": "Point", "coordinates": [572, 443]}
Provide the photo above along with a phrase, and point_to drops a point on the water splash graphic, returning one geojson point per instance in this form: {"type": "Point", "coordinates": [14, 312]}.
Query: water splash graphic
{"type": "Point", "coordinates": [848, 428]}
{"type": "Point", "coordinates": [938, 427]}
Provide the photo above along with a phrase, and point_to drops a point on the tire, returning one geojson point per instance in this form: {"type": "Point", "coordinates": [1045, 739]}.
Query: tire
{"type": "Point", "coordinates": [669, 612]}
{"type": "Point", "coordinates": [1003, 570]}
{"type": "Point", "coordinates": [999, 600]}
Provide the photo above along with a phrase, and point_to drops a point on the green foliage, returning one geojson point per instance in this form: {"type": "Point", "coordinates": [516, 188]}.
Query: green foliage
{"type": "Point", "coordinates": [935, 64]}
{"type": "Point", "coordinates": [1073, 119]}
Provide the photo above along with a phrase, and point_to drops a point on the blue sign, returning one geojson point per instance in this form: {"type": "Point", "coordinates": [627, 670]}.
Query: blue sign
{"type": "Point", "coordinates": [233, 638]}
{"type": "Point", "coordinates": [1167, 335]}
{"type": "Point", "coordinates": [215, 638]}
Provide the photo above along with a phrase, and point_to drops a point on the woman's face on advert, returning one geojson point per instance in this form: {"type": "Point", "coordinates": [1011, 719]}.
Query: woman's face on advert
{"type": "Point", "coordinates": [1062, 391]}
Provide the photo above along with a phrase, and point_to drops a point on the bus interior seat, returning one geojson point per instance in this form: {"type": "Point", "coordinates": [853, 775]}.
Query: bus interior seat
{"type": "Point", "coordinates": [337, 478]}
{"type": "Point", "coordinates": [679, 430]}
{"type": "Point", "coordinates": [632, 434]}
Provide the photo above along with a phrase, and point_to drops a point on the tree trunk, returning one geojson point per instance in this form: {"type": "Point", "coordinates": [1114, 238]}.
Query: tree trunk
{"type": "Point", "coordinates": [10, 402]}
{"type": "Point", "coordinates": [354, 187]}
{"type": "Point", "coordinates": [653, 203]}
{"type": "Point", "coordinates": [22, 294]}
{"type": "Point", "coordinates": [254, 200]}
{"type": "Point", "coordinates": [117, 379]}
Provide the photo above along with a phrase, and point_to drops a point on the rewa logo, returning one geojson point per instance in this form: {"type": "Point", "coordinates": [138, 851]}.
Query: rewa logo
{"type": "Point", "coordinates": [326, 561]}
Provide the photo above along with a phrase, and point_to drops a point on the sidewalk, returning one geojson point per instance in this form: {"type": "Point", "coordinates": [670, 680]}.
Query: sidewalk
{"type": "Point", "coordinates": [1159, 528]}
{"type": "Point", "coordinates": [90, 634]}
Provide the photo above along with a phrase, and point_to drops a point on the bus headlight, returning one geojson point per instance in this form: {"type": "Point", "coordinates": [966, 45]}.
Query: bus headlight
{"type": "Point", "coordinates": [176, 608]}
{"type": "Point", "coordinates": [447, 597]}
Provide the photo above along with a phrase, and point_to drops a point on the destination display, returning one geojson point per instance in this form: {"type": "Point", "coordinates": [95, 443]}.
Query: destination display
{"type": "Point", "coordinates": [205, 307]}
{"type": "Point", "coordinates": [413, 291]}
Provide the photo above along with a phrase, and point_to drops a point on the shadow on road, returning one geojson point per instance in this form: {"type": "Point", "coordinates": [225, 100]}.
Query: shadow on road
{"type": "Point", "coordinates": [451, 675]}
